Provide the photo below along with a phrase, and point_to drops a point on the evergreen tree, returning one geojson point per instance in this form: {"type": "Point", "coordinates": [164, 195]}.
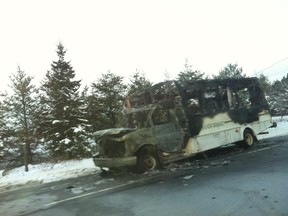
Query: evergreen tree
{"type": "Point", "coordinates": [277, 98]}
{"type": "Point", "coordinates": [84, 132]}
{"type": "Point", "coordinates": [60, 111]}
{"type": "Point", "coordinates": [189, 74]}
{"type": "Point", "coordinates": [283, 96]}
{"type": "Point", "coordinates": [230, 71]}
{"type": "Point", "coordinates": [268, 90]}
{"type": "Point", "coordinates": [93, 113]}
{"type": "Point", "coordinates": [265, 83]}
{"type": "Point", "coordinates": [107, 100]}
{"type": "Point", "coordinates": [19, 115]}
{"type": "Point", "coordinates": [2, 128]}
{"type": "Point", "coordinates": [2, 112]}
{"type": "Point", "coordinates": [276, 86]}
{"type": "Point", "coordinates": [138, 83]}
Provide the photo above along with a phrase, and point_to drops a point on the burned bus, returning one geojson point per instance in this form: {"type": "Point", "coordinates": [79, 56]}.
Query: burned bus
{"type": "Point", "coordinates": [173, 120]}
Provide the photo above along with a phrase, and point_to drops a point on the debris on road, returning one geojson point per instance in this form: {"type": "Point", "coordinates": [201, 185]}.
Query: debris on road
{"type": "Point", "coordinates": [188, 177]}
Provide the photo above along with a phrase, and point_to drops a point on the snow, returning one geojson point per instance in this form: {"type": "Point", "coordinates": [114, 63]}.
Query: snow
{"type": "Point", "coordinates": [66, 141]}
{"type": "Point", "coordinates": [55, 122]}
{"type": "Point", "coordinates": [78, 129]}
{"type": "Point", "coordinates": [49, 172]}
{"type": "Point", "coordinates": [280, 130]}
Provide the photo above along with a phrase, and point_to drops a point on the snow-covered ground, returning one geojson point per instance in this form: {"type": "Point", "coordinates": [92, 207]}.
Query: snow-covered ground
{"type": "Point", "coordinates": [49, 172]}
{"type": "Point", "coordinates": [280, 130]}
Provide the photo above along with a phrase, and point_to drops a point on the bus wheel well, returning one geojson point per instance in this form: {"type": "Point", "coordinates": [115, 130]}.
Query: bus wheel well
{"type": "Point", "coordinates": [147, 158]}
{"type": "Point", "coordinates": [147, 148]}
{"type": "Point", "coordinates": [249, 138]}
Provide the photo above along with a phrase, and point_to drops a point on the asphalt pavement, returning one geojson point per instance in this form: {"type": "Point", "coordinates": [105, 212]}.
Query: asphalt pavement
{"type": "Point", "coordinates": [226, 181]}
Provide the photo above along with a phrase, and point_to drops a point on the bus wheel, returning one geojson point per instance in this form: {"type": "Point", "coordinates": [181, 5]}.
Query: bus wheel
{"type": "Point", "coordinates": [249, 139]}
{"type": "Point", "coordinates": [147, 161]}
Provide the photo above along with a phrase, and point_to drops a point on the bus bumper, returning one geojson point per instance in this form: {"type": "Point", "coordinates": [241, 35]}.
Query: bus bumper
{"type": "Point", "coordinates": [115, 162]}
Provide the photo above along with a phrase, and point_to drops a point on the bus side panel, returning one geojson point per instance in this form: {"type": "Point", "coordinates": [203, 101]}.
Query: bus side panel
{"type": "Point", "coordinates": [215, 131]}
{"type": "Point", "coordinates": [221, 130]}
{"type": "Point", "coordinates": [213, 140]}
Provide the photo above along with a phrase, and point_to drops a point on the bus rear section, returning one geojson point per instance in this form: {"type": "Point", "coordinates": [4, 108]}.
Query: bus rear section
{"type": "Point", "coordinates": [224, 111]}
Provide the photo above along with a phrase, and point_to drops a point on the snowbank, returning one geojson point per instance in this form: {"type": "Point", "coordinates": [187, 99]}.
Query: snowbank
{"type": "Point", "coordinates": [280, 130]}
{"type": "Point", "coordinates": [48, 172]}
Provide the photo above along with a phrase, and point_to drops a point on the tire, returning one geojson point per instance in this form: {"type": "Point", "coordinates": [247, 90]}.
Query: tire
{"type": "Point", "coordinates": [249, 139]}
{"type": "Point", "coordinates": [147, 161]}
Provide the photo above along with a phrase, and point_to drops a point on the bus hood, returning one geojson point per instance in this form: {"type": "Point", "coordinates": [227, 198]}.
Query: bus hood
{"type": "Point", "coordinates": [112, 131]}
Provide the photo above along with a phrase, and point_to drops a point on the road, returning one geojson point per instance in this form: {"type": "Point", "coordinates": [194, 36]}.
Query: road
{"type": "Point", "coordinates": [228, 181]}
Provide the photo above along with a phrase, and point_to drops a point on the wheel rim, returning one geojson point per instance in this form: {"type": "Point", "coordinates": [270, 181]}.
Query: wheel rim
{"type": "Point", "coordinates": [249, 139]}
{"type": "Point", "coordinates": [150, 162]}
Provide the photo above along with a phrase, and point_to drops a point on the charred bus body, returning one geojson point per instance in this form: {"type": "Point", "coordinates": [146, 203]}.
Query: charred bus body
{"type": "Point", "coordinates": [174, 120]}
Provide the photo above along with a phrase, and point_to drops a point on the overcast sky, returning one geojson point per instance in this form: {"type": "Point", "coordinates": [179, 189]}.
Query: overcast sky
{"type": "Point", "coordinates": [152, 36]}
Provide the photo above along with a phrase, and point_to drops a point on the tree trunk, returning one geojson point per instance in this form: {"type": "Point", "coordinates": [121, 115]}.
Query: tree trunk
{"type": "Point", "coordinates": [25, 157]}
{"type": "Point", "coordinates": [29, 153]}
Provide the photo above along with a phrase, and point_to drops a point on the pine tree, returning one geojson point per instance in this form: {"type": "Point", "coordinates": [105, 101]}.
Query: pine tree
{"type": "Point", "coordinates": [2, 128]}
{"type": "Point", "coordinates": [230, 71]}
{"type": "Point", "coordinates": [2, 111]}
{"type": "Point", "coordinates": [283, 96]}
{"type": "Point", "coordinates": [20, 106]}
{"type": "Point", "coordinates": [92, 112]}
{"type": "Point", "coordinates": [60, 110]}
{"type": "Point", "coordinates": [189, 74]}
{"type": "Point", "coordinates": [275, 98]}
{"type": "Point", "coordinates": [107, 97]}
{"type": "Point", "coordinates": [267, 88]}
{"type": "Point", "coordinates": [84, 131]}
{"type": "Point", "coordinates": [265, 83]}
{"type": "Point", "coordinates": [138, 83]}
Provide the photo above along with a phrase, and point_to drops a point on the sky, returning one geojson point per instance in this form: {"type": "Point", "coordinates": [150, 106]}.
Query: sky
{"type": "Point", "coordinates": [152, 36]}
